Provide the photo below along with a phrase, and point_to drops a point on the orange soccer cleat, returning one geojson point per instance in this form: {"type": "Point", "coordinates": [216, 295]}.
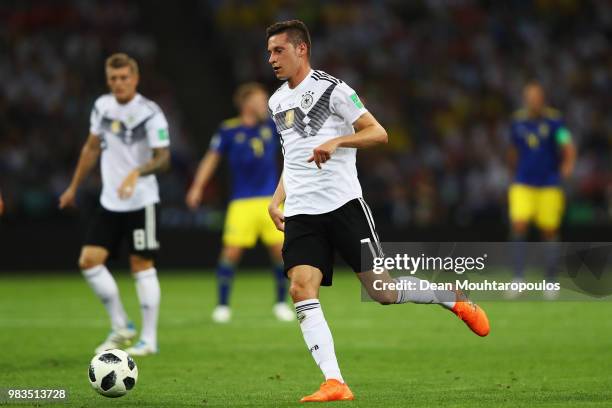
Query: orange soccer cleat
{"type": "Point", "coordinates": [472, 315]}
{"type": "Point", "coordinates": [331, 390]}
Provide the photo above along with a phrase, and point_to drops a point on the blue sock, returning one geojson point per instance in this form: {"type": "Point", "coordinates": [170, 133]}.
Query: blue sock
{"type": "Point", "coordinates": [519, 249]}
{"type": "Point", "coordinates": [552, 259]}
{"type": "Point", "coordinates": [225, 275]}
{"type": "Point", "coordinates": [281, 283]}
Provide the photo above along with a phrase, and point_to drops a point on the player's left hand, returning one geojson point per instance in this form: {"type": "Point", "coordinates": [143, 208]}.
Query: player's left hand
{"type": "Point", "coordinates": [129, 184]}
{"type": "Point", "coordinates": [566, 171]}
{"type": "Point", "coordinates": [323, 153]}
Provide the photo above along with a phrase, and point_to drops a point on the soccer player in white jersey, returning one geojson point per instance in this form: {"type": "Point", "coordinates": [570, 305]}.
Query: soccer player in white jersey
{"type": "Point", "coordinates": [130, 132]}
{"type": "Point", "coordinates": [322, 123]}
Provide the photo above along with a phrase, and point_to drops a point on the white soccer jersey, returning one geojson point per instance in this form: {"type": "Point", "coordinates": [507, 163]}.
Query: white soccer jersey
{"type": "Point", "coordinates": [128, 133]}
{"type": "Point", "coordinates": [320, 108]}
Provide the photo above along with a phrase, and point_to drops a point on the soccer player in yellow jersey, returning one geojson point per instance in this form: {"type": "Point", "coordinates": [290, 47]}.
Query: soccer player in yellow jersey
{"type": "Point", "coordinates": [542, 155]}
{"type": "Point", "coordinates": [250, 143]}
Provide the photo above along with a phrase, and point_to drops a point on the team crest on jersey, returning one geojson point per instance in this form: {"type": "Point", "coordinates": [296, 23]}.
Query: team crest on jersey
{"type": "Point", "coordinates": [265, 133]}
{"type": "Point", "coordinates": [309, 122]}
{"type": "Point", "coordinates": [240, 137]}
{"type": "Point", "coordinates": [289, 118]}
{"type": "Point", "coordinates": [307, 100]}
{"type": "Point", "coordinates": [115, 126]}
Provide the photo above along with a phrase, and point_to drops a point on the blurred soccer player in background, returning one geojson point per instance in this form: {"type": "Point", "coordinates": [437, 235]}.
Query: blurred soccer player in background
{"type": "Point", "coordinates": [542, 155]}
{"type": "Point", "coordinates": [322, 122]}
{"type": "Point", "coordinates": [130, 132]}
{"type": "Point", "coordinates": [250, 143]}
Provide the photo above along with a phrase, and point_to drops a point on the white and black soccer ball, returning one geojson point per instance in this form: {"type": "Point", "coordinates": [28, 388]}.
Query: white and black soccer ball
{"type": "Point", "coordinates": [113, 373]}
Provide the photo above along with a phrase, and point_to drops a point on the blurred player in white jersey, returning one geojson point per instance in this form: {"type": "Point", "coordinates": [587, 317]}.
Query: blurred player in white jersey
{"type": "Point", "coordinates": [322, 123]}
{"type": "Point", "coordinates": [130, 132]}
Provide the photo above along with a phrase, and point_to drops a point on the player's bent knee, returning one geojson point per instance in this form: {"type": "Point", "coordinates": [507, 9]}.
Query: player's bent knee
{"type": "Point", "coordinates": [231, 254]}
{"type": "Point", "coordinates": [91, 257]}
{"type": "Point", "coordinates": [139, 264]}
{"type": "Point", "coordinates": [383, 297]}
{"type": "Point", "coordinates": [301, 291]}
{"type": "Point", "coordinates": [86, 262]}
{"type": "Point", "coordinates": [305, 282]}
{"type": "Point", "coordinates": [386, 298]}
{"type": "Point", "coordinates": [276, 254]}
{"type": "Point", "coordinates": [550, 234]}
{"type": "Point", "coordinates": [520, 227]}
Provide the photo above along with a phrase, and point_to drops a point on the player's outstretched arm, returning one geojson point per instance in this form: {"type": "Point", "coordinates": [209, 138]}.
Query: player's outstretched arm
{"type": "Point", "coordinates": [206, 169]}
{"type": "Point", "coordinates": [568, 161]}
{"type": "Point", "coordinates": [274, 207]}
{"type": "Point", "coordinates": [511, 159]}
{"type": "Point", "coordinates": [368, 133]}
{"type": "Point", "coordinates": [88, 158]}
{"type": "Point", "coordinates": [160, 162]}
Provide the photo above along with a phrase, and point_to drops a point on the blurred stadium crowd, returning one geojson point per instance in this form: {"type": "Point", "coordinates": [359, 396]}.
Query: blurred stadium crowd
{"type": "Point", "coordinates": [52, 76]}
{"type": "Point", "coordinates": [442, 76]}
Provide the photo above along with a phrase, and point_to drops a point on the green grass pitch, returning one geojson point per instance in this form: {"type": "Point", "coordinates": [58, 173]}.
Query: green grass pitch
{"type": "Point", "coordinates": [538, 354]}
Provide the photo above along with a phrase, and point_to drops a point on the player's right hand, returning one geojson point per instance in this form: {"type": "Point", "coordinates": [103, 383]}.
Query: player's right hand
{"type": "Point", "coordinates": [67, 199]}
{"type": "Point", "coordinates": [277, 217]}
{"type": "Point", "coordinates": [193, 199]}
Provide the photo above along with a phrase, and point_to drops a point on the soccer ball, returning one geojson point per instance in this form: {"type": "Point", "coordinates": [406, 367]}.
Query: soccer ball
{"type": "Point", "coordinates": [112, 373]}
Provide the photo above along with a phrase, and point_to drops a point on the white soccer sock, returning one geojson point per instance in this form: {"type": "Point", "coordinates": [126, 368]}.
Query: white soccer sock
{"type": "Point", "coordinates": [444, 298]}
{"type": "Point", "coordinates": [105, 287]}
{"type": "Point", "coordinates": [318, 337]}
{"type": "Point", "coordinates": [149, 294]}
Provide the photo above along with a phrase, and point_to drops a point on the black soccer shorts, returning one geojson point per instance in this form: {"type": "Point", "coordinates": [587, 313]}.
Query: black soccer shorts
{"type": "Point", "coordinates": [313, 239]}
{"type": "Point", "coordinates": [110, 229]}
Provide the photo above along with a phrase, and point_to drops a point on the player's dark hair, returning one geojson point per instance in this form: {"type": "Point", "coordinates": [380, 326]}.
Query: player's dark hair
{"type": "Point", "coordinates": [245, 90]}
{"type": "Point", "coordinates": [120, 60]}
{"type": "Point", "coordinates": [296, 30]}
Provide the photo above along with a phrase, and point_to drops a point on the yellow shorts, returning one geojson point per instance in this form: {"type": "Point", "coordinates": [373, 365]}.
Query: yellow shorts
{"type": "Point", "coordinates": [544, 205]}
{"type": "Point", "coordinates": [247, 219]}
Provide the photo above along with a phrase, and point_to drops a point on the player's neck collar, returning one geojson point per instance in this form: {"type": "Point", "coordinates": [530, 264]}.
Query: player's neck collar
{"type": "Point", "coordinates": [302, 82]}
{"type": "Point", "coordinates": [131, 101]}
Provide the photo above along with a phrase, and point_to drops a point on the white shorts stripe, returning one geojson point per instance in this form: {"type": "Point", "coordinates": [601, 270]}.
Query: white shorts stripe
{"type": "Point", "coordinates": [150, 227]}
{"type": "Point", "coordinates": [369, 242]}
{"type": "Point", "coordinates": [371, 225]}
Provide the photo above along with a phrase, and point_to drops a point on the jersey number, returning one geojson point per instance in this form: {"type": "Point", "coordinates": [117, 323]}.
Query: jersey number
{"type": "Point", "coordinates": [532, 141]}
{"type": "Point", "coordinates": [258, 147]}
{"type": "Point", "coordinates": [144, 238]}
{"type": "Point", "coordinates": [141, 242]}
